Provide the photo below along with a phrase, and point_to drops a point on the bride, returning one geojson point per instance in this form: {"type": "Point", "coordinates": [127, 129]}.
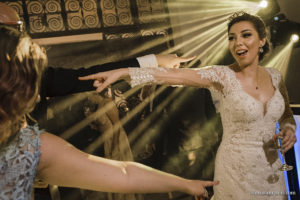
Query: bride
{"type": "Point", "coordinates": [251, 101]}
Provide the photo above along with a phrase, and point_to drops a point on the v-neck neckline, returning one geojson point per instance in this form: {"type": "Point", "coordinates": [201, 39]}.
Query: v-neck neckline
{"type": "Point", "coordinates": [264, 105]}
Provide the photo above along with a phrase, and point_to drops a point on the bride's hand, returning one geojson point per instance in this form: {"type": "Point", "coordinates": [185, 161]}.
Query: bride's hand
{"type": "Point", "coordinates": [104, 79]}
{"type": "Point", "coordinates": [289, 138]}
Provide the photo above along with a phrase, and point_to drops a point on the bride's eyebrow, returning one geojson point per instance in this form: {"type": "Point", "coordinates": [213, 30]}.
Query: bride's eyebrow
{"type": "Point", "coordinates": [246, 30]}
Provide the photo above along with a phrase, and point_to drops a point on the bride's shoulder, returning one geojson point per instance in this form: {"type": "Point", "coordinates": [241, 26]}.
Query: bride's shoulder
{"type": "Point", "coordinates": [274, 72]}
{"type": "Point", "coordinates": [275, 75]}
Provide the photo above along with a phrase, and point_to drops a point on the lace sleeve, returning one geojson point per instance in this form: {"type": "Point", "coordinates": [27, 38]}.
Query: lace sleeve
{"type": "Point", "coordinates": [220, 77]}
{"type": "Point", "coordinates": [287, 118]}
{"type": "Point", "coordinates": [215, 78]}
{"type": "Point", "coordinates": [141, 76]}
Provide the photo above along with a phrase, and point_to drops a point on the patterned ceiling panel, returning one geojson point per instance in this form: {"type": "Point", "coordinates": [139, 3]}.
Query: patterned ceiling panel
{"type": "Point", "coordinates": [150, 10]}
{"type": "Point", "coordinates": [45, 16]}
{"type": "Point", "coordinates": [82, 14]}
{"type": "Point", "coordinates": [113, 18]}
{"type": "Point", "coordinates": [116, 13]}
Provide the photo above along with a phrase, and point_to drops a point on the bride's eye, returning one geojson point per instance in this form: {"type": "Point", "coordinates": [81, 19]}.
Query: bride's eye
{"type": "Point", "coordinates": [245, 35]}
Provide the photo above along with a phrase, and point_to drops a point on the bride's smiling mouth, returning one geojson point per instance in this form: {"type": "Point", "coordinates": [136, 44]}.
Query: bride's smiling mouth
{"type": "Point", "coordinates": [241, 53]}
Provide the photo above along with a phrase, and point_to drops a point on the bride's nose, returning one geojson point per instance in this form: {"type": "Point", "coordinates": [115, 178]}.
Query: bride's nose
{"type": "Point", "coordinates": [238, 41]}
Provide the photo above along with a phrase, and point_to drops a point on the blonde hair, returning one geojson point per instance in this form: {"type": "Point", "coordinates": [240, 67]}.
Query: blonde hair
{"type": "Point", "coordinates": [21, 65]}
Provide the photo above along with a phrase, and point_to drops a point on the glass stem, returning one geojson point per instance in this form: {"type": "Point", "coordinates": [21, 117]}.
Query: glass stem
{"type": "Point", "coordinates": [283, 156]}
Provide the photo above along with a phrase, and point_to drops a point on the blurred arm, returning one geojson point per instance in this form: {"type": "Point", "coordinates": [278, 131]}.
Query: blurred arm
{"type": "Point", "coordinates": [64, 165]}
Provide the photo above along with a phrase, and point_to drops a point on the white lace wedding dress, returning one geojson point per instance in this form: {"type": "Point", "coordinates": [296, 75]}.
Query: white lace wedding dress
{"type": "Point", "coordinates": [241, 165]}
{"type": "Point", "coordinates": [244, 165]}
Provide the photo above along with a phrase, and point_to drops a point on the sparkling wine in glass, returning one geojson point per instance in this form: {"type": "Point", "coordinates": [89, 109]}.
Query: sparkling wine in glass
{"type": "Point", "coordinates": [284, 166]}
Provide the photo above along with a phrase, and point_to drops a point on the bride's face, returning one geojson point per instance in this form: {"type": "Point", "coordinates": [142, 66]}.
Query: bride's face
{"type": "Point", "coordinates": [244, 43]}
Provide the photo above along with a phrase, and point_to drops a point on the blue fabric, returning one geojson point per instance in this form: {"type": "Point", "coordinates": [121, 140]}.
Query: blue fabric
{"type": "Point", "coordinates": [18, 165]}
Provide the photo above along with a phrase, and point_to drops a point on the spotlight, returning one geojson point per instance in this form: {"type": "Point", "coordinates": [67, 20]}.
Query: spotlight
{"type": "Point", "coordinates": [279, 17]}
{"type": "Point", "coordinates": [267, 10]}
{"type": "Point", "coordinates": [263, 4]}
{"type": "Point", "coordinates": [295, 38]}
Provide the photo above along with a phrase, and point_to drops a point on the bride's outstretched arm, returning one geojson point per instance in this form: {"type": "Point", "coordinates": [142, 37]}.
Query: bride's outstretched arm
{"type": "Point", "coordinates": [138, 76]}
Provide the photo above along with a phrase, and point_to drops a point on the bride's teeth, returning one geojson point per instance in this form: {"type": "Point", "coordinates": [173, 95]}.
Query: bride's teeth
{"type": "Point", "coordinates": [241, 52]}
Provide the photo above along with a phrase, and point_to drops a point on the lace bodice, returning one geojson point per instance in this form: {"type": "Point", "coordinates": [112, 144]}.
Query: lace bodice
{"type": "Point", "coordinates": [18, 165]}
{"type": "Point", "coordinates": [239, 109]}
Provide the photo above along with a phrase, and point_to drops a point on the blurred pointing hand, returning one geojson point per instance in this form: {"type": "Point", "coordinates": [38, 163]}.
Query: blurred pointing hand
{"type": "Point", "coordinates": [172, 60]}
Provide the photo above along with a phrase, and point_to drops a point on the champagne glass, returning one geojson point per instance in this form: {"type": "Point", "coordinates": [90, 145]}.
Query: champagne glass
{"type": "Point", "coordinates": [284, 166]}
